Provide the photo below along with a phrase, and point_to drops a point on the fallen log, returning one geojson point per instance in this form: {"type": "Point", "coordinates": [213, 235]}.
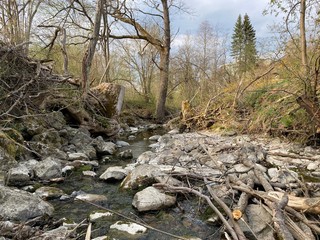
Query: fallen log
{"type": "Point", "coordinates": [310, 205]}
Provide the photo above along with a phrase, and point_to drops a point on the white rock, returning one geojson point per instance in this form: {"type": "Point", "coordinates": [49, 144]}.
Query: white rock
{"type": "Point", "coordinates": [130, 227]}
{"type": "Point", "coordinates": [116, 172]}
{"type": "Point", "coordinates": [89, 173]}
{"type": "Point", "coordinates": [91, 197]}
{"type": "Point", "coordinates": [94, 216]}
{"type": "Point", "coordinates": [134, 129]}
{"type": "Point", "coordinates": [152, 199]}
{"type": "Point", "coordinates": [122, 143]}
{"type": "Point", "coordinates": [67, 169]}
{"type": "Point", "coordinates": [154, 138]}
{"type": "Point", "coordinates": [174, 131]}
{"type": "Point", "coordinates": [101, 238]}
{"type": "Point", "coordinates": [77, 156]}
{"type": "Point", "coordinates": [313, 166]}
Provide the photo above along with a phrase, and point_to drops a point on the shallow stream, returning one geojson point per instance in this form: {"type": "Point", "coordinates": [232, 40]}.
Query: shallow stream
{"type": "Point", "coordinates": [182, 220]}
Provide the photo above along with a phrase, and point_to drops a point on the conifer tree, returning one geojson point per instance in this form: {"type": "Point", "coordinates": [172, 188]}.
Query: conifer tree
{"type": "Point", "coordinates": [243, 48]}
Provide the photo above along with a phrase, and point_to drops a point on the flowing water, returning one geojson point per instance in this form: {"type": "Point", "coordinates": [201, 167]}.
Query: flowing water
{"type": "Point", "coordinates": [182, 220]}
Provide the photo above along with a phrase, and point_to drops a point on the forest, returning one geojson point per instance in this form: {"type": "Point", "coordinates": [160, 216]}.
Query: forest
{"type": "Point", "coordinates": [235, 85]}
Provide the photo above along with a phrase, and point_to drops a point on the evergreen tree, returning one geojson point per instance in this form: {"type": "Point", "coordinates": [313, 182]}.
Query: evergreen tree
{"type": "Point", "coordinates": [243, 48]}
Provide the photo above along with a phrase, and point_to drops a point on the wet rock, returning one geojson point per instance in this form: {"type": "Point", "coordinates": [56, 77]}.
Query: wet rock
{"type": "Point", "coordinates": [154, 138]}
{"type": "Point", "coordinates": [132, 137]}
{"type": "Point", "coordinates": [127, 154]}
{"type": "Point", "coordinates": [114, 173]}
{"type": "Point", "coordinates": [21, 206]}
{"type": "Point", "coordinates": [104, 148]}
{"type": "Point", "coordinates": [152, 199]}
{"type": "Point", "coordinates": [96, 198]}
{"type": "Point", "coordinates": [48, 168]}
{"type": "Point", "coordinates": [129, 227]}
{"type": "Point", "coordinates": [47, 193]}
{"type": "Point", "coordinates": [18, 176]}
{"type": "Point", "coordinates": [122, 143]}
{"type": "Point", "coordinates": [97, 215]}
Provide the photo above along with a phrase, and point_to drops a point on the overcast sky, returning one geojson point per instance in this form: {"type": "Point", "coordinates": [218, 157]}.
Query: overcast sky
{"type": "Point", "coordinates": [224, 13]}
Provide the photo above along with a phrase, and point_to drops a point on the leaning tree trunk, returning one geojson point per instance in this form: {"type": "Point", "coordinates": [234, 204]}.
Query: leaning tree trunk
{"type": "Point", "coordinates": [88, 56]}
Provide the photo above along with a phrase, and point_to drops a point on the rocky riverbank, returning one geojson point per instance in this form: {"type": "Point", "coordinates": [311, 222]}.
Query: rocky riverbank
{"type": "Point", "coordinates": [244, 175]}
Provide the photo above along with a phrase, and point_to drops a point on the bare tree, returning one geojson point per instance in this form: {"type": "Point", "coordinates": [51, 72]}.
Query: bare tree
{"type": "Point", "coordinates": [159, 14]}
{"type": "Point", "coordinates": [16, 19]}
{"type": "Point", "coordinates": [301, 34]}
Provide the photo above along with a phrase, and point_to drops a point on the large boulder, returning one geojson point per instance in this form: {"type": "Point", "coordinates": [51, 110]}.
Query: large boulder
{"type": "Point", "coordinates": [152, 199]}
{"type": "Point", "coordinates": [142, 175]}
{"type": "Point", "coordinates": [104, 148]}
{"type": "Point", "coordinates": [48, 168]}
{"type": "Point", "coordinates": [114, 173]}
{"type": "Point", "coordinates": [108, 99]}
{"type": "Point", "coordinates": [18, 176]}
{"type": "Point", "coordinates": [18, 205]}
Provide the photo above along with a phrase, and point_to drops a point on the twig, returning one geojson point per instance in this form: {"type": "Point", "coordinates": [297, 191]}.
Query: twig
{"type": "Point", "coordinates": [190, 190]}
{"type": "Point", "coordinates": [133, 220]}
{"type": "Point", "coordinates": [226, 210]}
{"type": "Point", "coordinates": [88, 234]}
{"type": "Point", "coordinates": [278, 218]}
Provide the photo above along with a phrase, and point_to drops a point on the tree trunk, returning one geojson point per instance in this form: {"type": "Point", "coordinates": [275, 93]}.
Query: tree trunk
{"type": "Point", "coordinates": [164, 64]}
{"type": "Point", "coordinates": [163, 87]}
{"type": "Point", "coordinates": [88, 56]}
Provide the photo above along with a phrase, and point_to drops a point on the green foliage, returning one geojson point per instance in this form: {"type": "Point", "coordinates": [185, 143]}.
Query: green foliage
{"type": "Point", "coordinates": [243, 45]}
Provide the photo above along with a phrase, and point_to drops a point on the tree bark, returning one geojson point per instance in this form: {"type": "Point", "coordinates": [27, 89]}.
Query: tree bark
{"type": "Point", "coordinates": [164, 64]}
{"type": "Point", "coordinates": [88, 56]}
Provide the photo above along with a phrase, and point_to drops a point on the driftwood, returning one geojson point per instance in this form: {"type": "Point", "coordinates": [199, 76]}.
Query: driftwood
{"type": "Point", "coordinates": [310, 205]}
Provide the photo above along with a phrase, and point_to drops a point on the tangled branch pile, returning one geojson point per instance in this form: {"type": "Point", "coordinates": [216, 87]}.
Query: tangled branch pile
{"type": "Point", "coordinates": [23, 82]}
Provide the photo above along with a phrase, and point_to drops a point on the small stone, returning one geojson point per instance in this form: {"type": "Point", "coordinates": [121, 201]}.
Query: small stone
{"type": "Point", "coordinates": [67, 169]}
{"type": "Point", "coordinates": [91, 197]}
{"type": "Point", "coordinates": [94, 216]}
{"type": "Point", "coordinates": [134, 129]}
{"type": "Point", "coordinates": [89, 173]}
{"type": "Point", "coordinates": [130, 227]}
{"type": "Point", "coordinates": [127, 154]}
{"type": "Point", "coordinates": [122, 143]}
{"type": "Point", "coordinates": [313, 166]}
{"type": "Point", "coordinates": [174, 131]}
{"type": "Point", "coordinates": [316, 174]}
{"type": "Point", "coordinates": [49, 192]}
{"type": "Point", "coordinates": [77, 156]}
{"type": "Point", "coordinates": [154, 138]}
{"type": "Point", "coordinates": [131, 137]}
